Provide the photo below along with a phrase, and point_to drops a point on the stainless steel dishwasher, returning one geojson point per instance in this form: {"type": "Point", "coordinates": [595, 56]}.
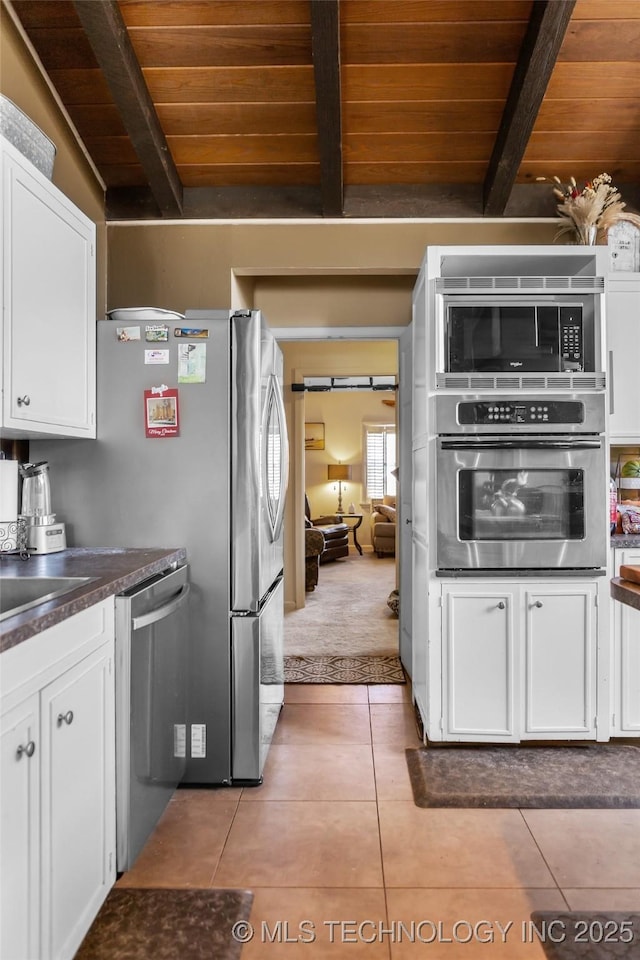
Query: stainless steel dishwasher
{"type": "Point", "coordinates": [151, 709]}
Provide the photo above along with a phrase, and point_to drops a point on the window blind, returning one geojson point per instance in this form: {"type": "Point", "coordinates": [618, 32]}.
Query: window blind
{"type": "Point", "coordinates": [380, 459]}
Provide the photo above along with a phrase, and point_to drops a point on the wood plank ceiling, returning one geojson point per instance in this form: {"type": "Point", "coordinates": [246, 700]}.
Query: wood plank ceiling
{"type": "Point", "coordinates": [270, 108]}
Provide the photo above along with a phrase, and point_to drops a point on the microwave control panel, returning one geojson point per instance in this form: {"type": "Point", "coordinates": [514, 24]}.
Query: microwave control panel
{"type": "Point", "coordinates": [519, 411]}
{"type": "Point", "coordinates": [571, 346]}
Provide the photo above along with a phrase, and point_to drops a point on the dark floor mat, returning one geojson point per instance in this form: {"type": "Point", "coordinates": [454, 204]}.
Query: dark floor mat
{"type": "Point", "coordinates": [594, 775]}
{"type": "Point", "coordinates": [579, 935]}
{"type": "Point", "coordinates": [164, 924]}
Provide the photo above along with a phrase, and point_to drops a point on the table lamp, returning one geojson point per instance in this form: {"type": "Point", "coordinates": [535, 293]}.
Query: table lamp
{"type": "Point", "coordinates": [339, 472]}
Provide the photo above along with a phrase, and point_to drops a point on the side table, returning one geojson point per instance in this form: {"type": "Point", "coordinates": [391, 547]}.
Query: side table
{"type": "Point", "coordinates": [344, 517]}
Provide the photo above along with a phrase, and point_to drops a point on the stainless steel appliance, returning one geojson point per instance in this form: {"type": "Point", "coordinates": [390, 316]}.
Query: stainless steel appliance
{"type": "Point", "coordinates": [519, 325]}
{"type": "Point", "coordinates": [151, 705]}
{"type": "Point", "coordinates": [493, 334]}
{"type": "Point", "coordinates": [521, 484]}
{"type": "Point", "coordinates": [215, 485]}
{"type": "Point", "coordinates": [44, 533]}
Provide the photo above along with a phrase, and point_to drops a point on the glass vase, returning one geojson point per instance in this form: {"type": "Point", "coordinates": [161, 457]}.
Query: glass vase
{"type": "Point", "coordinates": [587, 234]}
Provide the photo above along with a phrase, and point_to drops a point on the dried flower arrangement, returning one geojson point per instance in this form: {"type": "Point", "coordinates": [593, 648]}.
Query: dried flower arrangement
{"type": "Point", "coordinates": [590, 212]}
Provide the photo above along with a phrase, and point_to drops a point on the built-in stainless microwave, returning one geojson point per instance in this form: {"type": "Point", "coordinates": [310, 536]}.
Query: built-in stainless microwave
{"type": "Point", "coordinates": [519, 334]}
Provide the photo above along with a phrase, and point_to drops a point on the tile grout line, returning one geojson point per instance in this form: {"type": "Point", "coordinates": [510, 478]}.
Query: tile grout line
{"type": "Point", "coordinates": [375, 786]}
{"type": "Point", "coordinates": [544, 859]}
{"type": "Point", "coordinates": [226, 838]}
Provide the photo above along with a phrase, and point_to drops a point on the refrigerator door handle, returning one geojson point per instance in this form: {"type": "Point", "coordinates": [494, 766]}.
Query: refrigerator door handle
{"type": "Point", "coordinates": [161, 613]}
{"type": "Point", "coordinates": [284, 460]}
{"type": "Point", "coordinates": [275, 402]}
{"type": "Point", "coordinates": [264, 601]}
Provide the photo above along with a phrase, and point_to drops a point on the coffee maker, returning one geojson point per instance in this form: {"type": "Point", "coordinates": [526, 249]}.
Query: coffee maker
{"type": "Point", "coordinates": [44, 535]}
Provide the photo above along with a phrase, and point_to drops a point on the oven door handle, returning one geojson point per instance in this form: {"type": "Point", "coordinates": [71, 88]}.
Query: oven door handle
{"type": "Point", "coordinates": [481, 444]}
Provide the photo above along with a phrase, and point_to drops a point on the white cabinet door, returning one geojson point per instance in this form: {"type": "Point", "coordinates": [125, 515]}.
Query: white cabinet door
{"type": "Point", "coordinates": [623, 319]}
{"type": "Point", "coordinates": [560, 661]}
{"type": "Point", "coordinates": [626, 654]}
{"type": "Point", "coordinates": [78, 801]}
{"type": "Point", "coordinates": [20, 832]}
{"type": "Point", "coordinates": [49, 280]}
{"type": "Point", "coordinates": [480, 667]}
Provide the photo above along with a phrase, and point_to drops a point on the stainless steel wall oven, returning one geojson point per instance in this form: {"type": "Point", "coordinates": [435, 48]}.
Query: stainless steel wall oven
{"type": "Point", "coordinates": [521, 484]}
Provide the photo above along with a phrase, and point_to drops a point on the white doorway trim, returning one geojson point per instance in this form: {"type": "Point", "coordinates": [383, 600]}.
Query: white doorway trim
{"type": "Point", "coordinates": [338, 333]}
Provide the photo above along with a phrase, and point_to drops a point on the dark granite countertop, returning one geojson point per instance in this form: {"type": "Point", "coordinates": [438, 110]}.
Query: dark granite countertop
{"type": "Point", "coordinates": [622, 541]}
{"type": "Point", "coordinates": [114, 570]}
{"type": "Point", "coordinates": [626, 592]}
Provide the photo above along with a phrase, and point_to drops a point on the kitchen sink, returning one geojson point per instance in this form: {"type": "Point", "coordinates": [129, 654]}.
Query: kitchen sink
{"type": "Point", "coordinates": [18, 594]}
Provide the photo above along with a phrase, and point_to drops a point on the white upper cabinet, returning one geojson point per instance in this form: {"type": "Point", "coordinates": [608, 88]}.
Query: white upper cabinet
{"type": "Point", "coordinates": [49, 306]}
{"type": "Point", "coordinates": [623, 340]}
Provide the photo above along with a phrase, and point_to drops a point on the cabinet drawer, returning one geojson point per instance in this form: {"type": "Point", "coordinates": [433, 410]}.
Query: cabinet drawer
{"type": "Point", "coordinates": [29, 666]}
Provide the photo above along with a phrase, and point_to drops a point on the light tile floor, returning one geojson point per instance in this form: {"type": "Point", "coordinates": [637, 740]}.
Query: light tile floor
{"type": "Point", "coordinates": [344, 865]}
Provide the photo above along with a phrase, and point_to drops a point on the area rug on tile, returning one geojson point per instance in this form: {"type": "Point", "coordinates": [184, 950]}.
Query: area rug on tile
{"type": "Point", "coordinates": [347, 613]}
{"type": "Point", "coordinates": [163, 924]}
{"type": "Point", "coordinates": [343, 670]}
{"type": "Point", "coordinates": [594, 775]}
{"type": "Point", "coordinates": [580, 935]}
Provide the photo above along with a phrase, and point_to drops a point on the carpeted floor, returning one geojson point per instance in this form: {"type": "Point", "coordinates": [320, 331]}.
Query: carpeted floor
{"type": "Point", "coordinates": [588, 936]}
{"type": "Point", "coordinates": [347, 613]}
{"type": "Point", "coordinates": [164, 924]}
{"type": "Point", "coordinates": [343, 670]}
{"type": "Point", "coordinates": [596, 775]}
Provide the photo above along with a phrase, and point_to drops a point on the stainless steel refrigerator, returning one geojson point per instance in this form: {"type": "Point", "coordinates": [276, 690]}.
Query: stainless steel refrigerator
{"type": "Point", "coordinates": [192, 451]}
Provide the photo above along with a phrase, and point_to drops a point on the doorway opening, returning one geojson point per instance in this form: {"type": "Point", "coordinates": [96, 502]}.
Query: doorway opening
{"type": "Point", "coordinates": [346, 469]}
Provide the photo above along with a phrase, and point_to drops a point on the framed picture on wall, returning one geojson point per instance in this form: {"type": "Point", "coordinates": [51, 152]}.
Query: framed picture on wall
{"type": "Point", "coordinates": [314, 436]}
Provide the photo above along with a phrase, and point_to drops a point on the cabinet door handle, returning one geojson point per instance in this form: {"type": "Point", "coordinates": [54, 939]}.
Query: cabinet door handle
{"type": "Point", "coordinates": [538, 604]}
{"type": "Point", "coordinates": [65, 718]}
{"type": "Point", "coordinates": [501, 605]}
{"type": "Point", "coordinates": [611, 389]}
{"type": "Point", "coordinates": [29, 749]}
{"type": "Point", "coordinates": [24, 401]}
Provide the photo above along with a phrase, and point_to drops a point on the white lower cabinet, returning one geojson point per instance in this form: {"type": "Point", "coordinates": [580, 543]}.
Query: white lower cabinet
{"type": "Point", "coordinates": [20, 831]}
{"type": "Point", "coordinates": [57, 846]}
{"type": "Point", "coordinates": [479, 667]}
{"type": "Point", "coordinates": [519, 661]}
{"type": "Point", "coordinates": [77, 749]}
{"type": "Point", "coordinates": [626, 658]}
{"type": "Point", "coordinates": [560, 661]}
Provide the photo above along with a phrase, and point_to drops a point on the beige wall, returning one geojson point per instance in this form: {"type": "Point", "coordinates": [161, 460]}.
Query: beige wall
{"type": "Point", "coordinates": [343, 416]}
{"type": "Point", "coordinates": [287, 265]}
{"type": "Point", "coordinates": [22, 82]}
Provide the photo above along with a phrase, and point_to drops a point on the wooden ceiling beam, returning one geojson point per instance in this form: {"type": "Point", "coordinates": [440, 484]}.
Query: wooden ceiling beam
{"type": "Point", "coordinates": [325, 45]}
{"type": "Point", "coordinates": [399, 201]}
{"type": "Point", "coordinates": [107, 34]}
{"type": "Point", "coordinates": [547, 26]}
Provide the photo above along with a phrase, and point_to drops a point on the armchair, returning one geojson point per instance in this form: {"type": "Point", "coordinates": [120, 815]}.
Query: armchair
{"type": "Point", "coordinates": [334, 532]}
{"type": "Point", "coordinates": [313, 547]}
{"type": "Point", "coordinates": [383, 526]}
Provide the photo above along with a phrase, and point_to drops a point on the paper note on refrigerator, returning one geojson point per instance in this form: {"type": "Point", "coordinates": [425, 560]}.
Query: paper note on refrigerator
{"type": "Point", "coordinates": [192, 362]}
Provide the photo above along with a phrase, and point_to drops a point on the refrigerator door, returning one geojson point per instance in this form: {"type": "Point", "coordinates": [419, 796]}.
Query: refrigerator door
{"type": "Point", "coordinates": [259, 461]}
{"type": "Point", "coordinates": [258, 685]}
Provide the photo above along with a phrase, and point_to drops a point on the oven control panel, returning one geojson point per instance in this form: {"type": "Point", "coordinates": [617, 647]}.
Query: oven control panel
{"type": "Point", "coordinates": [518, 411]}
